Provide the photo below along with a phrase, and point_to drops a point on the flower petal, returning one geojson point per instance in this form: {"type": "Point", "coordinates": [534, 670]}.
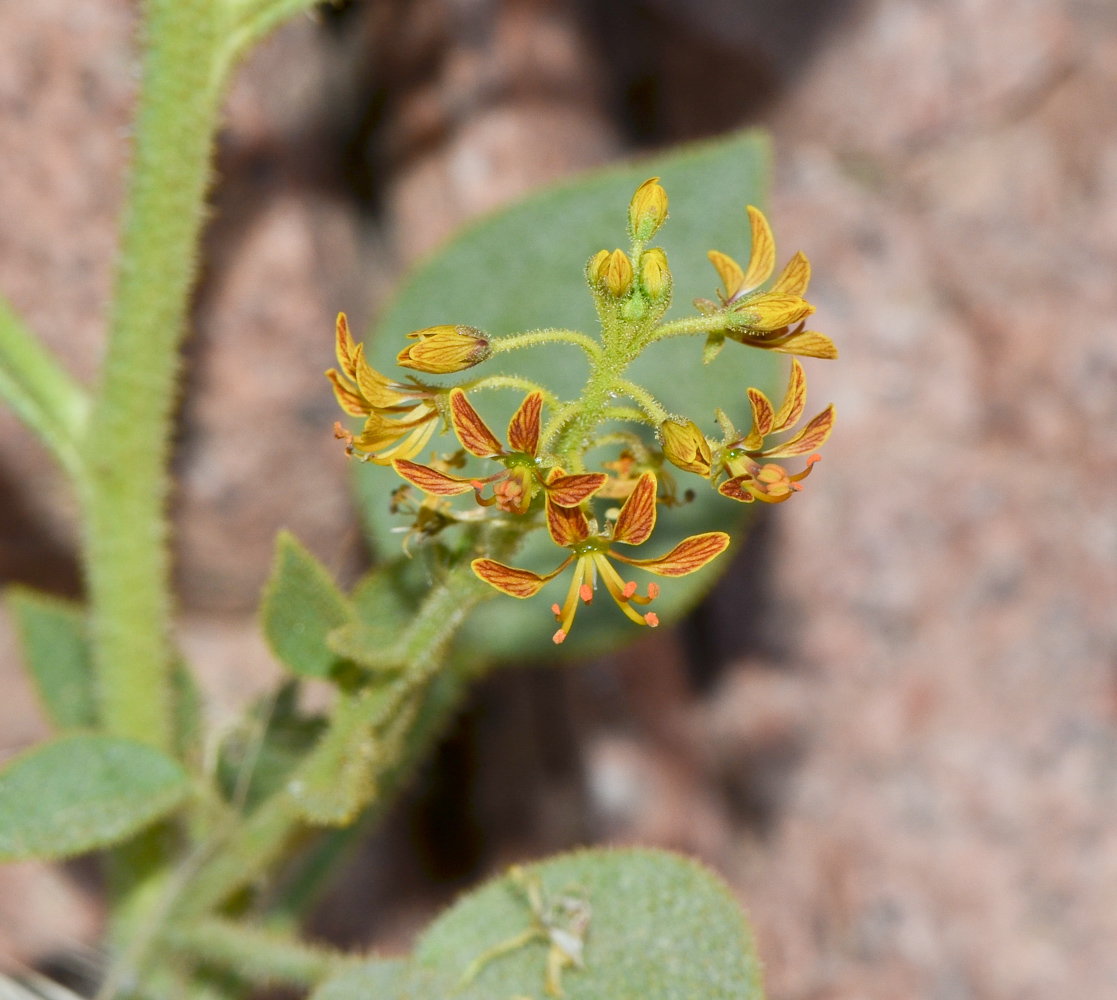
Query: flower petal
{"type": "Point", "coordinates": [511, 580]}
{"type": "Point", "coordinates": [810, 438]}
{"type": "Point", "coordinates": [771, 311]}
{"type": "Point", "coordinates": [729, 271]}
{"type": "Point", "coordinates": [763, 417]}
{"type": "Point", "coordinates": [523, 428]}
{"type": "Point", "coordinates": [738, 489]}
{"type": "Point", "coordinates": [795, 277]}
{"type": "Point", "coordinates": [689, 555]}
{"type": "Point", "coordinates": [807, 344]}
{"type": "Point", "coordinates": [347, 397]}
{"type": "Point", "coordinates": [569, 491]}
{"type": "Point", "coordinates": [685, 446]}
{"type": "Point", "coordinates": [762, 257]}
{"type": "Point", "coordinates": [735, 489]}
{"type": "Point", "coordinates": [791, 409]}
{"type": "Point", "coordinates": [636, 521]}
{"type": "Point", "coordinates": [376, 388]}
{"type": "Point", "coordinates": [472, 431]}
{"type": "Point", "coordinates": [567, 525]}
{"type": "Point", "coordinates": [431, 480]}
{"type": "Point", "coordinates": [345, 347]}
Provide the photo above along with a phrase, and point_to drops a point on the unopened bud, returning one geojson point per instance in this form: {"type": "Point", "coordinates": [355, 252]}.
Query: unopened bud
{"type": "Point", "coordinates": [444, 349]}
{"type": "Point", "coordinates": [593, 268]}
{"type": "Point", "coordinates": [615, 270]}
{"type": "Point", "coordinates": [648, 209]}
{"type": "Point", "coordinates": [685, 446]}
{"type": "Point", "coordinates": [654, 273]}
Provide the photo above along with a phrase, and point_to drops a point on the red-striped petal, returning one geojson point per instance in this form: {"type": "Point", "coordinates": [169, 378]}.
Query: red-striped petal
{"type": "Point", "coordinates": [431, 480]}
{"type": "Point", "coordinates": [472, 431]}
{"type": "Point", "coordinates": [567, 525]}
{"type": "Point", "coordinates": [636, 521]}
{"type": "Point", "coordinates": [809, 439]}
{"type": "Point", "coordinates": [791, 409]}
{"type": "Point", "coordinates": [347, 397]}
{"type": "Point", "coordinates": [523, 428]}
{"type": "Point", "coordinates": [763, 416]}
{"type": "Point", "coordinates": [511, 580]}
{"type": "Point", "coordinates": [689, 555]}
{"type": "Point", "coordinates": [569, 491]}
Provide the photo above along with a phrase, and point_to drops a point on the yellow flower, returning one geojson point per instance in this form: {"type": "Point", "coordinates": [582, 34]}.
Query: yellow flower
{"type": "Point", "coordinates": [765, 319]}
{"type": "Point", "coordinates": [685, 446]}
{"type": "Point", "coordinates": [399, 418]}
{"type": "Point", "coordinates": [654, 273]}
{"type": "Point", "coordinates": [570, 528]}
{"type": "Point", "coordinates": [614, 270]}
{"type": "Point", "coordinates": [750, 477]}
{"type": "Point", "coordinates": [444, 349]}
{"type": "Point", "coordinates": [519, 480]}
{"type": "Point", "coordinates": [647, 210]}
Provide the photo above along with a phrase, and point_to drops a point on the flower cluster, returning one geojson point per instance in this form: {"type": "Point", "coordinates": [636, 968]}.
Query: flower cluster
{"type": "Point", "coordinates": [523, 483]}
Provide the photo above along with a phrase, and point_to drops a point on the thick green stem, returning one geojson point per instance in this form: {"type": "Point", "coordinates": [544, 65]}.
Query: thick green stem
{"type": "Point", "coordinates": [127, 447]}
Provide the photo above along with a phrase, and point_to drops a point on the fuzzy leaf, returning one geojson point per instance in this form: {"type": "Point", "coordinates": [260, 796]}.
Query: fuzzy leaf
{"type": "Point", "coordinates": [79, 793]}
{"type": "Point", "coordinates": [662, 928]}
{"type": "Point", "coordinates": [55, 646]}
{"type": "Point", "coordinates": [522, 269]}
{"type": "Point", "coordinates": [301, 606]}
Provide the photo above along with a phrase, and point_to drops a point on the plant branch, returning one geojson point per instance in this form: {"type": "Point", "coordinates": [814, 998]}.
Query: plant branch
{"type": "Point", "coordinates": [511, 382]}
{"type": "Point", "coordinates": [689, 326]}
{"type": "Point", "coordinates": [536, 337]}
{"type": "Point", "coordinates": [646, 401]}
{"type": "Point", "coordinates": [269, 830]}
{"type": "Point", "coordinates": [261, 956]}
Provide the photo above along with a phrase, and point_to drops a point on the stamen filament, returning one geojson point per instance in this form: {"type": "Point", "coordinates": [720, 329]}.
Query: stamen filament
{"type": "Point", "coordinates": [615, 585]}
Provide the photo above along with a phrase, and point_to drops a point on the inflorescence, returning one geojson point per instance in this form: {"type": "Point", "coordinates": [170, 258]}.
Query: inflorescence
{"type": "Point", "coordinates": [529, 478]}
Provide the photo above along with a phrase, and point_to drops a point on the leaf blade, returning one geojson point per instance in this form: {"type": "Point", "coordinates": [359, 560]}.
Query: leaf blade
{"type": "Point", "coordinates": [301, 606]}
{"type": "Point", "coordinates": [83, 792]}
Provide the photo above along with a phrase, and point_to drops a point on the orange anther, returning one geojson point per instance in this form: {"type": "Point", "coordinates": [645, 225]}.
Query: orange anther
{"type": "Point", "coordinates": [557, 610]}
{"type": "Point", "coordinates": [558, 637]}
{"type": "Point", "coordinates": [629, 589]}
{"type": "Point", "coordinates": [652, 619]}
{"type": "Point", "coordinates": [585, 593]}
{"type": "Point", "coordinates": [816, 457]}
{"type": "Point", "coordinates": [653, 591]}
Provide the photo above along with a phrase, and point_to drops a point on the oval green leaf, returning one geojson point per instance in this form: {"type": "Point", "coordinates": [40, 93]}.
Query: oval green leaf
{"type": "Point", "coordinates": [83, 792]}
{"type": "Point", "coordinates": [661, 927]}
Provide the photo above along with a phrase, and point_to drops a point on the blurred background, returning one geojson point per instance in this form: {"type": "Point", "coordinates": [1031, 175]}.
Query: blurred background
{"type": "Point", "coordinates": [893, 725]}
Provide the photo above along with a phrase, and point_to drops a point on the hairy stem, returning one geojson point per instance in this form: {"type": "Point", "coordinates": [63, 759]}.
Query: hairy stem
{"type": "Point", "coordinates": [128, 443]}
{"type": "Point", "coordinates": [261, 956]}
{"type": "Point", "coordinates": [689, 326]}
{"type": "Point", "coordinates": [646, 401]}
{"type": "Point", "coordinates": [510, 382]}
{"type": "Point", "coordinates": [536, 337]}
